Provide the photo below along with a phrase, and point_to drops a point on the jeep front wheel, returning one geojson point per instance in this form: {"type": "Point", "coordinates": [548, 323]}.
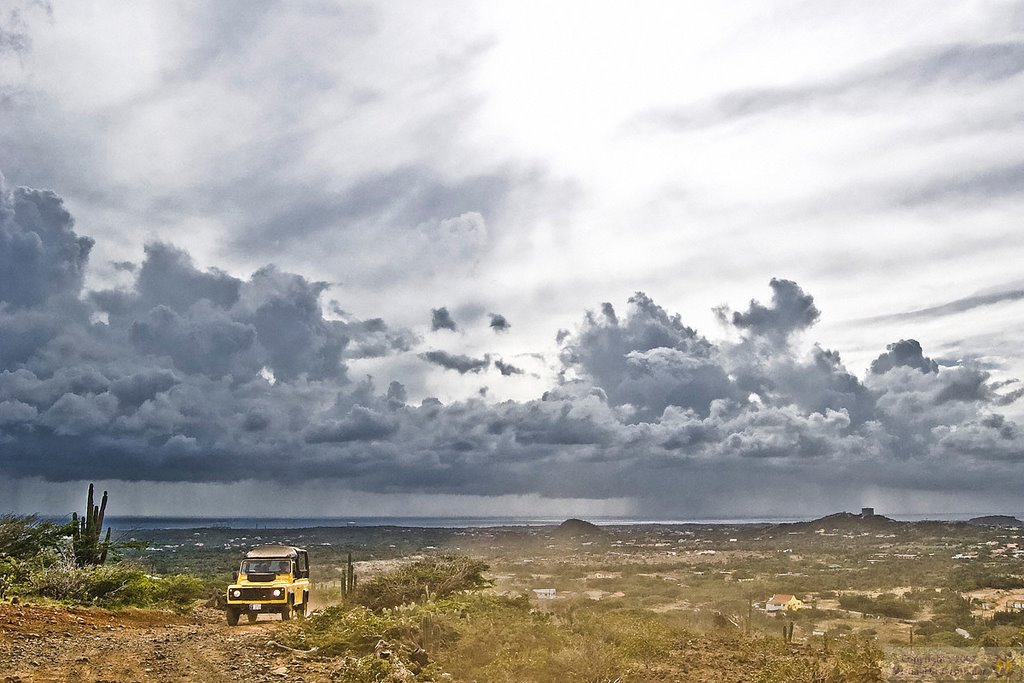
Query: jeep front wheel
{"type": "Point", "coordinates": [286, 612]}
{"type": "Point", "coordinates": [232, 616]}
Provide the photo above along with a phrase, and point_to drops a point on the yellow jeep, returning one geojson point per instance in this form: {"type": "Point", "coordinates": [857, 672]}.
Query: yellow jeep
{"type": "Point", "coordinates": [272, 579]}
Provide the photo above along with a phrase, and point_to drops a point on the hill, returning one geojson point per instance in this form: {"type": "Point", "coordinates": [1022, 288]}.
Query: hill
{"type": "Point", "coordinates": [576, 528]}
{"type": "Point", "coordinates": [996, 520]}
{"type": "Point", "coordinates": [845, 521]}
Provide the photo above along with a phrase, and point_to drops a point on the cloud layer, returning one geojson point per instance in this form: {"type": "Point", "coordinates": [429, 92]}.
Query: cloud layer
{"type": "Point", "coordinates": [197, 375]}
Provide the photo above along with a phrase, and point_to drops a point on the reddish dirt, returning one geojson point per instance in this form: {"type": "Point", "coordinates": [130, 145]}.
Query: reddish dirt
{"type": "Point", "coordinates": [41, 644]}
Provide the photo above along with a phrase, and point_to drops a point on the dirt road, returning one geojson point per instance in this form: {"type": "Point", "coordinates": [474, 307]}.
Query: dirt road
{"type": "Point", "coordinates": [51, 644]}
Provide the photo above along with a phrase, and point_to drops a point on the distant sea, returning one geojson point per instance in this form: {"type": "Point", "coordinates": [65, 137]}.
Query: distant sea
{"type": "Point", "coordinates": [123, 523]}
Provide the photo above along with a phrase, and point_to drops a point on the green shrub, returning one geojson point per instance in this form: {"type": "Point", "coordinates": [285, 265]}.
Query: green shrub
{"type": "Point", "coordinates": [12, 573]}
{"type": "Point", "coordinates": [887, 605]}
{"type": "Point", "coordinates": [25, 536]}
{"type": "Point", "coordinates": [179, 589]}
{"type": "Point", "coordinates": [973, 577]}
{"type": "Point", "coordinates": [117, 585]}
{"type": "Point", "coordinates": [371, 669]}
{"type": "Point", "coordinates": [341, 630]}
{"type": "Point", "coordinates": [425, 579]}
{"type": "Point", "coordinates": [112, 585]}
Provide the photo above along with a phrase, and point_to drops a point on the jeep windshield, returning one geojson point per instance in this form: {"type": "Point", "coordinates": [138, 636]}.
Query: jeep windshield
{"type": "Point", "coordinates": [266, 566]}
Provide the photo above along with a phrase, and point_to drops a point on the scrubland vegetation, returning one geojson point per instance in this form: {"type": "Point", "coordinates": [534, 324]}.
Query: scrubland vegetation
{"type": "Point", "coordinates": [421, 631]}
{"type": "Point", "coordinates": [38, 559]}
{"type": "Point", "coordinates": [638, 603]}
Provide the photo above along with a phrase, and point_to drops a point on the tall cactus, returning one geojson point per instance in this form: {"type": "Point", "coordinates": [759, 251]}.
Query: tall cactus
{"type": "Point", "coordinates": [85, 532]}
{"type": "Point", "coordinates": [349, 578]}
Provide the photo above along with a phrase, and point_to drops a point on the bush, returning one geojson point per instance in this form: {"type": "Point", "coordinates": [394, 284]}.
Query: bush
{"type": "Point", "coordinates": [111, 585]}
{"type": "Point", "coordinates": [12, 573]}
{"type": "Point", "coordinates": [973, 577]}
{"type": "Point", "coordinates": [23, 537]}
{"type": "Point", "coordinates": [853, 660]}
{"type": "Point", "coordinates": [179, 589]}
{"type": "Point", "coordinates": [341, 630]}
{"type": "Point", "coordinates": [425, 579]}
{"type": "Point", "coordinates": [105, 585]}
{"type": "Point", "coordinates": [1015, 618]}
{"type": "Point", "coordinates": [887, 605]}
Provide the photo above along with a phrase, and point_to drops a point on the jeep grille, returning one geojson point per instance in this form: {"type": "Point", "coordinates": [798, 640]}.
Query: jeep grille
{"type": "Point", "coordinates": [257, 594]}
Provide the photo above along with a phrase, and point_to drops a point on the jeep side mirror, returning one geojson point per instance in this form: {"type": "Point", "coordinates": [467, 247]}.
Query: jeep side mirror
{"type": "Point", "coordinates": [234, 575]}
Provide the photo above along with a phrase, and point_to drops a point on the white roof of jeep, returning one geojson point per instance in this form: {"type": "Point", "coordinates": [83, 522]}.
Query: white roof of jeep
{"type": "Point", "coordinates": [270, 551]}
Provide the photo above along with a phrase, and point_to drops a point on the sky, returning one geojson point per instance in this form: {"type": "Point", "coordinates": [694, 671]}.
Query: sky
{"type": "Point", "coordinates": [450, 258]}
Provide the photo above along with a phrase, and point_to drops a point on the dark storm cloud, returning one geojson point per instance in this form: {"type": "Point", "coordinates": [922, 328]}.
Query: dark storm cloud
{"type": "Point", "coordinates": [361, 424]}
{"type": "Point", "coordinates": [207, 342]}
{"type": "Point", "coordinates": [969, 385]}
{"type": "Point", "coordinates": [124, 266]}
{"type": "Point", "coordinates": [458, 362]}
{"type": "Point", "coordinates": [441, 319]}
{"type": "Point", "coordinates": [791, 310]}
{"type": "Point", "coordinates": [40, 254]}
{"type": "Point", "coordinates": [649, 360]}
{"type": "Point", "coordinates": [210, 322]}
{"type": "Point", "coordinates": [901, 75]}
{"type": "Point", "coordinates": [373, 338]}
{"type": "Point", "coordinates": [499, 323]}
{"type": "Point", "coordinates": [136, 389]}
{"type": "Point", "coordinates": [397, 392]}
{"type": "Point", "coordinates": [815, 383]}
{"type": "Point", "coordinates": [168, 277]}
{"type": "Point", "coordinates": [904, 353]}
{"type": "Point", "coordinates": [507, 369]}
{"type": "Point", "coordinates": [197, 375]}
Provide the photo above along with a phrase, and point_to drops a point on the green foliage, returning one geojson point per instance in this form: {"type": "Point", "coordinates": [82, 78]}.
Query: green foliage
{"type": "Point", "coordinates": [355, 631]}
{"type": "Point", "coordinates": [111, 585]}
{"type": "Point", "coordinates": [973, 577]}
{"type": "Point", "coordinates": [22, 537]}
{"type": "Point", "coordinates": [178, 590]}
{"type": "Point", "coordinates": [85, 533]}
{"type": "Point", "coordinates": [12, 573]}
{"type": "Point", "coordinates": [1003, 636]}
{"type": "Point", "coordinates": [431, 578]}
{"type": "Point", "coordinates": [372, 668]}
{"type": "Point", "coordinates": [349, 579]}
{"type": "Point", "coordinates": [1015, 618]}
{"type": "Point", "coordinates": [887, 605]}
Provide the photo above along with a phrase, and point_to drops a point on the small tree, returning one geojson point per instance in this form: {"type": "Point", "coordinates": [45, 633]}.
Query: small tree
{"type": "Point", "coordinates": [24, 536]}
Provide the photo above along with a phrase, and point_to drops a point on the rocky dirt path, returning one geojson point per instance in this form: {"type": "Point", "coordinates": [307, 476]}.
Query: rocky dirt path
{"type": "Point", "coordinates": [52, 644]}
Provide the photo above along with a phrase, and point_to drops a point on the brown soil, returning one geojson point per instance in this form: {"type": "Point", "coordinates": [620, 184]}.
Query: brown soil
{"type": "Point", "coordinates": [53, 644]}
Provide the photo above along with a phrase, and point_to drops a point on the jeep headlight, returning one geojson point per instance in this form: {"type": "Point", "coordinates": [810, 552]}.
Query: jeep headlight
{"type": "Point", "coordinates": [236, 593]}
{"type": "Point", "coordinates": [277, 592]}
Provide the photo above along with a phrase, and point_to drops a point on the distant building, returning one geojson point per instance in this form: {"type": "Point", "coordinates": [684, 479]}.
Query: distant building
{"type": "Point", "coordinates": [780, 602]}
{"type": "Point", "coordinates": [867, 512]}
